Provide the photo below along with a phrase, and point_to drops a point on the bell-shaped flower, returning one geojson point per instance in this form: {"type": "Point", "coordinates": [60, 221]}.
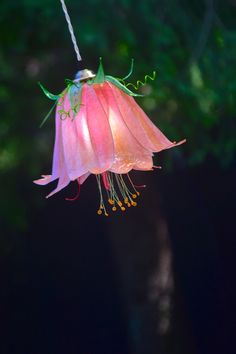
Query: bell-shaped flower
{"type": "Point", "coordinates": [101, 130]}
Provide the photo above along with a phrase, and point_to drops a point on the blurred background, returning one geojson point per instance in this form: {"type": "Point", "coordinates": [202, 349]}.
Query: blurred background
{"type": "Point", "coordinates": [159, 279]}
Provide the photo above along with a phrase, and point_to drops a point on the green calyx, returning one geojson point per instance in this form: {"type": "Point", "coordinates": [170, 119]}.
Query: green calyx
{"type": "Point", "coordinates": [120, 82]}
{"type": "Point", "coordinates": [74, 89]}
{"type": "Point", "coordinates": [75, 96]}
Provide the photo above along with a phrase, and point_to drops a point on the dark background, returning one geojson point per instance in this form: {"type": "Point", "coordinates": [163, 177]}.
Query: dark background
{"type": "Point", "coordinates": [159, 279]}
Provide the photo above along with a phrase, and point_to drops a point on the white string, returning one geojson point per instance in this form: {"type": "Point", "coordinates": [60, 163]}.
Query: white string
{"type": "Point", "coordinates": [71, 30]}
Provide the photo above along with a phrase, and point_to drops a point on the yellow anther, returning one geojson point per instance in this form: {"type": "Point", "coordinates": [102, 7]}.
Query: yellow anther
{"type": "Point", "coordinates": [134, 196]}
{"type": "Point", "coordinates": [119, 203]}
{"type": "Point", "coordinates": [111, 201]}
{"type": "Point", "coordinates": [99, 212]}
{"type": "Point", "coordinates": [138, 193]}
{"type": "Point", "coordinates": [106, 214]}
{"type": "Point", "coordinates": [123, 208]}
{"type": "Point", "coordinates": [133, 203]}
{"type": "Point", "coordinates": [126, 200]}
{"type": "Point", "coordinates": [128, 205]}
{"type": "Point", "coordinates": [114, 208]}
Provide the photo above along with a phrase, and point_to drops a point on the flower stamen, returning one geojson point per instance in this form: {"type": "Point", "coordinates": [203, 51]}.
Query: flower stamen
{"type": "Point", "coordinates": [102, 208]}
{"type": "Point", "coordinates": [122, 198]}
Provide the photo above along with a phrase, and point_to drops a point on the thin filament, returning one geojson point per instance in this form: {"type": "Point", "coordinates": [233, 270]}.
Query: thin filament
{"type": "Point", "coordinates": [76, 48]}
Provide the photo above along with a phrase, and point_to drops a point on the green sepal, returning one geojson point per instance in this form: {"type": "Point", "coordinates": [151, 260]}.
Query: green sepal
{"type": "Point", "coordinates": [48, 94]}
{"type": "Point", "coordinates": [48, 115]}
{"type": "Point", "coordinates": [100, 77]}
{"type": "Point", "coordinates": [69, 82]}
{"type": "Point", "coordinates": [118, 84]}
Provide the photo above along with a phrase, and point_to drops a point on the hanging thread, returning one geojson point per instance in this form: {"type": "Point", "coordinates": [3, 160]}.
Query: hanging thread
{"type": "Point", "coordinates": [71, 30]}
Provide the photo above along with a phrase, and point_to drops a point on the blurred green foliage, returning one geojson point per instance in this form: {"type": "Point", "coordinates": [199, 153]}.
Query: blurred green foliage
{"type": "Point", "coordinates": [191, 45]}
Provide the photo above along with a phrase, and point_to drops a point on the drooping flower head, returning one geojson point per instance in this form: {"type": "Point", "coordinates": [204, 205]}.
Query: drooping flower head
{"type": "Point", "coordinates": [101, 130]}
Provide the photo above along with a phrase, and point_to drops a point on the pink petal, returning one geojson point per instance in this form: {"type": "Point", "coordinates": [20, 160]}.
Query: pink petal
{"type": "Point", "coordinates": [58, 155]}
{"type": "Point", "coordinates": [99, 130]}
{"type": "Point", "coordinates": [144, 165]}
{"type": "Point", "coordinates": [58, 164]}
{"type": "Point", "coordinates": [70, 143]}
{"type": "Point", "coordinates": [62, 183]}
{"type": "Point", "coordinates": [43, 181]}
{"type": "Point", "coordinates": [87, 139]}
{"type": "Point", "coordinates": [139, 124]}
{"type": "Point", "coordinates": [83, 178]}
{"type": "Point", "coordinates": [128, 151]}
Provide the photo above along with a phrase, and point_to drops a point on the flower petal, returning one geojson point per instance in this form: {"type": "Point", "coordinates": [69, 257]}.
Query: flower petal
{"type": "Point", "coordinates": [99, 131]}
{"type": "Point", "coordinates": [128, 152]}
{"type": "Point", "coordinates": [140, 125]}
{"type": "Point", "coordinates": [59, 168]}
{"type": "Point", "coordinates": [62, 183]}
{"type": "Point", "coordinates": [87, 139]}
{"type": "Point", "coordinates": [70, 142]}
{"type": "Point", "coordinates": [43, 181]}
{"type": "Point", "coordinates": [145, 164]}
{"type": "Point", "coordinates": [83, 178]}
{"type": "Point", "coordinates": [58, 164]}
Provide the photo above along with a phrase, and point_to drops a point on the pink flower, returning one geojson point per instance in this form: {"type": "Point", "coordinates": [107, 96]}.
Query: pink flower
{"type": "Point", "coordinates": [101, 130]}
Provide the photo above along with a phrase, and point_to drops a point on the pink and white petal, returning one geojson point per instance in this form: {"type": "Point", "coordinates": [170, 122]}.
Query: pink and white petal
{"type": "Point", "coordinates": [145, 164]}
{"type": "Point", "coordinates": [58, 164]}
{"type": "Point", "coordinates": [58, 157]}
{"type": "Point", "coordinates": [174, 143]}
{"type": "Point", "coordinates": [87, 159]}
{"type": "Point", "coordinates": [87, 140]}
{"type": "Point", "coordinates": [99, 131]}
{"type": "Point", "coordinates": [128, 152]}
{"type": "Point", "coordinates": [139, 124]}
{"type": "Point", "coordinates": [62, 183]}
{"type": "Point", "coordinates": [83, 178]}
{"type": "Point", "coordinates": [73, 154]}
{"type": "Point", "coordinates": [43, 181]}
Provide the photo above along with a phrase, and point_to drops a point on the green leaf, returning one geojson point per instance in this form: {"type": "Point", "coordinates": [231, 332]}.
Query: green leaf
{"type": "Point", "coordinates": [118, 84]}
{"type": "Point", "coordinates": [50, 95]}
